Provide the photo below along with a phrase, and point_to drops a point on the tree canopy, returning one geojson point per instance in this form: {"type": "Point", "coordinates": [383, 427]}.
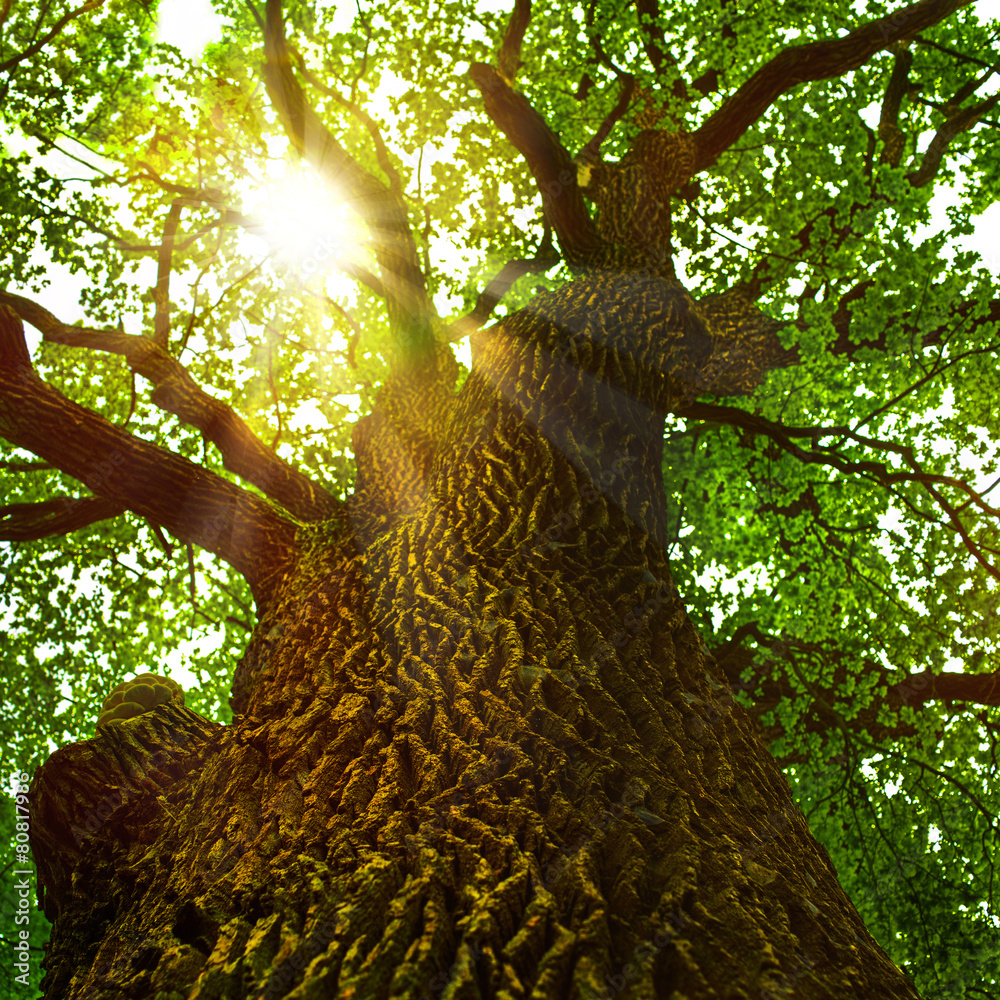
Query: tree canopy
{"type": "Point", "coordinates": [325, 196]}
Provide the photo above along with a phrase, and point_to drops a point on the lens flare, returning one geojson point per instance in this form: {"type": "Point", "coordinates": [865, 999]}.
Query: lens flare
{"type": "Point", "coordinates": [309, 226]}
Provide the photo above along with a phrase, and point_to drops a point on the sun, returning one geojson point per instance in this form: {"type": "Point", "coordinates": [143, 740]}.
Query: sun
{"type": "Point", "coordinates": [308, 225]}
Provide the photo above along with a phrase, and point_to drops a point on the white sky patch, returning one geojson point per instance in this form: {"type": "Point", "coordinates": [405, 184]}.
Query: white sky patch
{"type": "Point", "coordinates": [730, 586]}
{"type": "Point", "coordinates": [188, 24]}
{"type": "Point", "coordinates": [866, 767]}
{"type": "Point", "coordinates": [463, 352]}
{"type": "Point", "coordinates": [344, 13]}
{"type": "Point", "coordinates": [173, 664]}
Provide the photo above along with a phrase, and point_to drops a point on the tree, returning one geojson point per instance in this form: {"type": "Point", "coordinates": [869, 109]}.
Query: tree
{"type": "Point", "coordinates": [534, 641]}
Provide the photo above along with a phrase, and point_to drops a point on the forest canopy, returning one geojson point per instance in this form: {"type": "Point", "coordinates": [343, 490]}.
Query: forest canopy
{"type": "Point", "coordinates": [834, 528]}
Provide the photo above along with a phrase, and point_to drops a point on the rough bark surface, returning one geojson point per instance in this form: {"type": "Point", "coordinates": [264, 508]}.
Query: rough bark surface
{"type": "Point", "coordinates": [480, 750]}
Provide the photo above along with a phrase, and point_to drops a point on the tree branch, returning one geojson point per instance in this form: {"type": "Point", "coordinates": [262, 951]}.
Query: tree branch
{"type": "Point", "coordinates": [875, 471]}
{"type": "Point", "coordinates": [653, 40]}
{"type": "Point", "coordinates": [888, 126]}
{"type": "Point", "coordinates": [838, 231]}
{"type": "Point", "coordinates": [161, 291]}
{"type": "Point", "coordinates": [551, 165]}
{"type": "Point", "coordinates": [37, 46]}
{"type": "Point", "coordinates": [746, 344]}
{"type": "Point", "coordinates": [915, 690]}
{"type": "Point", "coordinates": [177, 393]}
{"type": "Point", "coordinates": [500, 284]}
{"type": "Point", "coordinates": [25, 466]}
{"type": "Point", "coordinates": [194, 504]}
{"type": "Point", "coordinates": [24, 522]}
{"type": "Point", "coordinates": [509, 57]}
{"type": "Point", "coordinates": [960, 122]}
{"type": "Point", "coordinates": [592, 149]}
{"type": "Point", "coordinates": [382, 208]}
{"type": "Point", "coordinates": [844, 346]}
{"type": "Point", "coordinates": [951, 52]}
{"type": "Point", "coordinates": [814, 61]}
{"type": "Point", "coordinates": [381, 149]}
{"type": "Point", "coordinates": [194, 198]}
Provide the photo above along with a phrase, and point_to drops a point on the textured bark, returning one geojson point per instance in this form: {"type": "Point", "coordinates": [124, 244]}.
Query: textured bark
{"type": "Point", "coordinates": [480, 750]}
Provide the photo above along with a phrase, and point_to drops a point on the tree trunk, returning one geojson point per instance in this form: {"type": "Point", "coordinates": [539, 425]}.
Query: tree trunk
{"type": "Point", "coordinates": [479, 749]}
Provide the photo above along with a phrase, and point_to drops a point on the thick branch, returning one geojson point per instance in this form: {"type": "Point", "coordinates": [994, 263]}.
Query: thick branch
{"type": "Point", "coordinates": [176, 392]}
{"type": "Point", "coordinates": [509, 57]}
{"type": "Point", "coordinates": [814, 61]}
{"type": "Point", "coordinates": [194, 504]}
{"type": "Point", "coordinates": [25, 522]}
{"type": "Point", "coordinates": [888, 126]}
{"type": "Point", "coordinates": [161, 291]}
{"type": "Point", "coordinates": [960, 122]}
{"type": "Point", "coordinates": [550, 164]}
{"type": "Point", "coordinates": [973, 689]}
{"type": "Point", "coordinates": [746, 344]}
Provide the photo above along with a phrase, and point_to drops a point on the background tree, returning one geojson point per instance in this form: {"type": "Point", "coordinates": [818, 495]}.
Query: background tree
{"type": "Point", "coordinates": [477, 745]}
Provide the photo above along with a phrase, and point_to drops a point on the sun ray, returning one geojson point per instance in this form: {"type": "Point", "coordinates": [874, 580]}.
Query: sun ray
{"type": "Point", "coordinates": [309, 226]}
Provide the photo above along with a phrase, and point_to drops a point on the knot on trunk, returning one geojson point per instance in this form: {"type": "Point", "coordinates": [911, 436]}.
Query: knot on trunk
{"type": "Point", "coordinates": [745, 345]}
{"type": "Point", "coordinates": [107, 788]}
